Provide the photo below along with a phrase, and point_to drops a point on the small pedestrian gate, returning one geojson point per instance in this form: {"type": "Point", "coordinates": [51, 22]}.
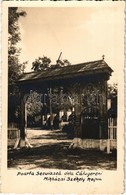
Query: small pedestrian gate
{"type": "Point", "coordinates": [90, 123]}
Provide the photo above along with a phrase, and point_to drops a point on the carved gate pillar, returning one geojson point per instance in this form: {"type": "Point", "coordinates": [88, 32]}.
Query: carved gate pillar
{"type": "Point", "coordinates": [77, 126]}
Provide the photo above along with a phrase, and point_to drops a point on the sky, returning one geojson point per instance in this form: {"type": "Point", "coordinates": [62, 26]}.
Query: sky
{"type": "Point", "coordinates": [82, 34]}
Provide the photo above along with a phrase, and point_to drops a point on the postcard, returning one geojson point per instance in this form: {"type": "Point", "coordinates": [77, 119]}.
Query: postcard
{"type": "Point", "coordinates": [62, 97]}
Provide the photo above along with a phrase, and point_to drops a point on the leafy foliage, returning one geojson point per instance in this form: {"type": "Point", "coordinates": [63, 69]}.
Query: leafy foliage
{"type": "Point", "coordinates": [41, 63]}
{"type": "Point", "coordinates": [62, 63]}
{"type": "Point", "coordinates": [112, 90]}
{"type": "Point", "coordinates": [15, 68]}
{"type": "Point", "coordinates": [112, 94]}
{"type": "Point", "coordinates": [33, 104]}
{"type": "Point", "coordinates": [44, 63]}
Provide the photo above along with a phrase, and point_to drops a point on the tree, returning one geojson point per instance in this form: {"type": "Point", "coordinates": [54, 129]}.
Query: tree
{"type": "Point", "coordinates": [41, 63]}
{"type": "Point", "coordinates": [63, 63]}
{"type": "Point", "coordinates": [34, 104]}
{"type": "Point", "coordinates": [15, 68]}
{"type": "Point", "coordinates": [112, 95]}
{"type": "Point", "coordinates": [112, 90]}
{"type": "Point", "coordinates": [44, 63]}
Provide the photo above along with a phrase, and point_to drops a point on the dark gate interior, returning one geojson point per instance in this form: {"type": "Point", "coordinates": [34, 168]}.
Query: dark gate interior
{"type": "Point", "coordinates": [90, 120]}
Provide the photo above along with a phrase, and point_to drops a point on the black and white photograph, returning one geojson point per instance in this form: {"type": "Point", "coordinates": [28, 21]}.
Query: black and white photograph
{"type": "Point", "coordinates": [64, 72]}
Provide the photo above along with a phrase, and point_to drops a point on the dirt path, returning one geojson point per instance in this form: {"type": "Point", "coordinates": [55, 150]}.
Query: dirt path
{"type": "Point", "coordinates": [51, 150]}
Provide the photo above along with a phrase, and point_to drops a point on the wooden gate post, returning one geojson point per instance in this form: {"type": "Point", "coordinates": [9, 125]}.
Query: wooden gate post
{"type": "Point", "coordinates": [77, 128]}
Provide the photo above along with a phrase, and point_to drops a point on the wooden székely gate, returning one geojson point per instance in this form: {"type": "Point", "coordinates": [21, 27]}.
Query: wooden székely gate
{"type": "Point", "coordinates": [87, 82]}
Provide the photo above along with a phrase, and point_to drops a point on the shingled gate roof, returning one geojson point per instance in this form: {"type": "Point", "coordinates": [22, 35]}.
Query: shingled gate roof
{"type": "Point", "coordinates": [82, 69]}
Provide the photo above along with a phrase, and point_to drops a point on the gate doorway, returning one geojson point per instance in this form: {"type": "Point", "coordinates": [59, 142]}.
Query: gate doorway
{"type": "Point", "coordinates": [90, 121]}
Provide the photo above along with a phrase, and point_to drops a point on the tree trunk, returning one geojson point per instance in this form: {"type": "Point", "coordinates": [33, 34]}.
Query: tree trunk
{"type": "Point", "coordinates": [77, 141]}
{"type": "Point", "coordinates": [22, 140]}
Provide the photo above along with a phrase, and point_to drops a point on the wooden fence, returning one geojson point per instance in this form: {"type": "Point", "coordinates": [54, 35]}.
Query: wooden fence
{"type": "Point", "coordinates": [13, 131]}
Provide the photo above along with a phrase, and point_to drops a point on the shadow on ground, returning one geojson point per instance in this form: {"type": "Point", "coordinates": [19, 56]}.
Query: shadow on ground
{"type": "Point", "coordinates": [54, 134]}
{"type": "Point", "coordinates": [51, 150]}
{"type": "Point", "coordinates": [59, 156]}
